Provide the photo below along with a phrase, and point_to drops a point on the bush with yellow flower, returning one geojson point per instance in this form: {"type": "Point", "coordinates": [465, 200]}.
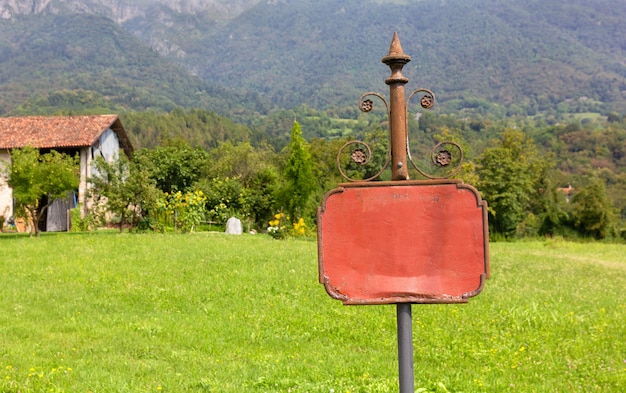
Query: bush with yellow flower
{"type": "Point", "coordinates": [188, 209]}
{"type": "Point", "coordinates": [278, 228]}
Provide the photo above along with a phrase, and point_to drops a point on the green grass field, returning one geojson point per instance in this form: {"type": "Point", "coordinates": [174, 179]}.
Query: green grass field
{"type": "Point", "coordinates": [104, 312]}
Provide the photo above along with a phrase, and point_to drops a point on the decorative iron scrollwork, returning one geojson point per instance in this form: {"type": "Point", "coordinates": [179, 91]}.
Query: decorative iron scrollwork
{"type": "Point", "coordinates": [446, 157]}
{"type": "Point", "coordinates": [366, 105]}
{"type": "Point", "coordinates": [428, 98]}
{"type": "Point", "coordinates": [355, 155]}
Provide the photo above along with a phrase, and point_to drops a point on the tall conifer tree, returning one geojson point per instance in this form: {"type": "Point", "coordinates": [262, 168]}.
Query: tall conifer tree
{"type": "Point", "coordinates": [300, 182]}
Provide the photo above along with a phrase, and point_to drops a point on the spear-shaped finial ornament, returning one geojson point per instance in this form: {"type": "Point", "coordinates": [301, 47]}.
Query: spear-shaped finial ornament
{"type": "Point", "coordinates": [396, 59]}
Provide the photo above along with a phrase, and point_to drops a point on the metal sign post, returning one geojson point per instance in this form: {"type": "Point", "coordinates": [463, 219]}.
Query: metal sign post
{"type": "Point", "coordinates": [405, 348]}
{"type": "Point", "coordinates": [396, 59]}
{"type": "Point", "coordinates": [402, 241]}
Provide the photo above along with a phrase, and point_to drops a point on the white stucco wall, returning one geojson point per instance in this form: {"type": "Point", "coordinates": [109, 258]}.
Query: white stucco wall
{"type": "Point", "coordinates": [6, 196]}
{"type": "Point", "coordinates": [107, 147]}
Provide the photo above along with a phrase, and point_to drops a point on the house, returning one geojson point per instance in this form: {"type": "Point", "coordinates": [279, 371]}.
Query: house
{"type": "Point", "coordinates": [88, 136]}
{"type": "Point", "coordinates": [567, 191]}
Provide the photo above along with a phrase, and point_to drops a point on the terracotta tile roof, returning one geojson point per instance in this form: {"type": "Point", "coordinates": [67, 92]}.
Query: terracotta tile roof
{"type": "Point", "coordinates": [59, 131]}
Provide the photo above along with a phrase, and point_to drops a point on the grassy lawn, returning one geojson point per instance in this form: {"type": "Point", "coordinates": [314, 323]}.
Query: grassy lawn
{"type": "Point", "coordinates": [104, 312]}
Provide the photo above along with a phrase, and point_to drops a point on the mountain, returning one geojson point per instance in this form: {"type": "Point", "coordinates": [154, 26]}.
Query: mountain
{"type": "Point", "coordinates": [163, 24]}
{"type": "Point", "coordinates": [524, 57]}
{"type": "Point", "coordinates": [124, 10]}
{"type": "Point", "coordinates": [533, 54]}
{"type": "Point", "coordinates": [68, 60]}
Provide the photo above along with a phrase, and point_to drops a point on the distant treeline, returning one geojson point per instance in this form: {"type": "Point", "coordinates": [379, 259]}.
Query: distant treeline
{"type": "Point", "coordinates": [518, 167]}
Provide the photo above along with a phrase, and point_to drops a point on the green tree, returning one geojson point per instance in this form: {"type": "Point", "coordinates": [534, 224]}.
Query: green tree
{"type": "Point", "coordinates": [259, 196]}
{"type": "Point", "coordinates": [324, 156]}
{"type": "Point", "coordinates": [38, 179]}
{"type": "Point", "coordinates": [240, 161]}
{"type": "Point", "coordinates": [508, 176]}
{"type": "Point", "coordinates": [125, 189]}
{"type": "Point", "coordinates": [175, 167]}
{"type": "Point", "coordinates": [298, 173]}
{"type": "Point", "coordinates": [551, 209]}
{"type": "Point", "coordinates": [244, 179]}
{"type": "Point", "coordinates": [592, 210]}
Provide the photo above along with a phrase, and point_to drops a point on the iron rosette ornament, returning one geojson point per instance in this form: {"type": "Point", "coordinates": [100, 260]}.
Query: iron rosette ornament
{"type": "Point", "coordinates": [356, 158]}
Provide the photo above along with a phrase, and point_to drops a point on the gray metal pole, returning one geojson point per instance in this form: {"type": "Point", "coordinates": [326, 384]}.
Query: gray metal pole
{"type": "Point", "coordinates": [405, 348]}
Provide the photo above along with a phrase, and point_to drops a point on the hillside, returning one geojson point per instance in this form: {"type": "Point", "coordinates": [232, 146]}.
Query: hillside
{"type": "Point", "coordinates": [124, 10]}
{"type": "Point", "coordinates": [525, 57]}
{"type": "Point", "coordinates": [83, 61]}
{"type": "Point", "coordinates": [528, 54]}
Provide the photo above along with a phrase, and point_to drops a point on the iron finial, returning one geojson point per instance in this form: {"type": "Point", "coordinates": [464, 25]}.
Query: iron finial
{"type": "Point", "coordinates": [395, 52]}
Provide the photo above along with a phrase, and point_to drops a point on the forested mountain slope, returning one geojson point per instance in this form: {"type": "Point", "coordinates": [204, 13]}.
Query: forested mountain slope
{"type": "Point", "coordinates": [528, 57]}
{"type": "Point", "coordinates": [531, 54]}
{"type": "Point", "coordinates": [82, 61]}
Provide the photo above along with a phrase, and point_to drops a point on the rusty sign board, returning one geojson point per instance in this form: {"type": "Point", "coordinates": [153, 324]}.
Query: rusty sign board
{"type": "Point", "coordinates": [403, 242]}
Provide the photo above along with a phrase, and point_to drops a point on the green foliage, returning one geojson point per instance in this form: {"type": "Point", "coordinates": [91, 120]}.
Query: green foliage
{"type": "Point", "coordinates": [548, 69]}
{"type": "Point", "coordinates": [240, 161]}
{"type": "Point", "coordinates": [199, 128]}
{"type": "Point", "coordinates": [68, 102]}
{"type": "Point", "coordinates": [378, 140]}
{"type": "Point", "coordinates": [125, 189]}
{"type": "Point", "coordinates": [466, 170]}
{"type": "Point", "coordinates": [507, 174]}
{"type": "Point", "coordinates": [242, 181]}
{"type": "Point", "coordinates": [260, 196]}
{"type": "Point", "coordinates": [551, 208]}
{"type": "Point", "coordinates": [174, 167]}
{"type": "Point", "coordinates": [298, 173]}
{"type": "Point", "coordinates": [225, 198]}
{"type": "Point", "coordinates": [38, 179]}
{"type": "Point", "coordinates": [81, 222]}
{"type": "Point", "coordinates": [592, 210]}
{"type": "Point", "coordinates": [188, 209]}
{"type": "Point", "coordinates": [482, 56]}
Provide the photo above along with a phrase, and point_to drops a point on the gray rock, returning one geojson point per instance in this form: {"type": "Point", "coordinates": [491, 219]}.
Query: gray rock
{"type": "Point", "coordinates": [233, 226]}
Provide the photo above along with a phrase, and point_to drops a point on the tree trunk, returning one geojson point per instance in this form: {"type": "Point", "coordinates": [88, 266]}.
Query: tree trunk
{"type": "Point", "coordinates": [34, 219]}
{"type": "Point", "coordinates": [122, 218]}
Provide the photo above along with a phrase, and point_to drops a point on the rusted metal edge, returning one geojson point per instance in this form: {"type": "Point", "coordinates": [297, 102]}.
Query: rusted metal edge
{"type": "Point", "coordinates": [413, 299]}
{"type": "Point", "coordinates": [331, 291]}
{"type": "Point", "coordinates": [480, 202]}
{"type": "Point", "coordinates": [323, 279]}
{"type": "Point", "coordinates": [478, 290]}
{"type": "Point", "coordinates": [429, 182]}
{"type": "Point", "coordinates": [410, 298]}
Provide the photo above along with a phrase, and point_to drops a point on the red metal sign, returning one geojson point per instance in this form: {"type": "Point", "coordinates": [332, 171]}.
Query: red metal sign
{"type": "Point", "coordinates": [403, 242]}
